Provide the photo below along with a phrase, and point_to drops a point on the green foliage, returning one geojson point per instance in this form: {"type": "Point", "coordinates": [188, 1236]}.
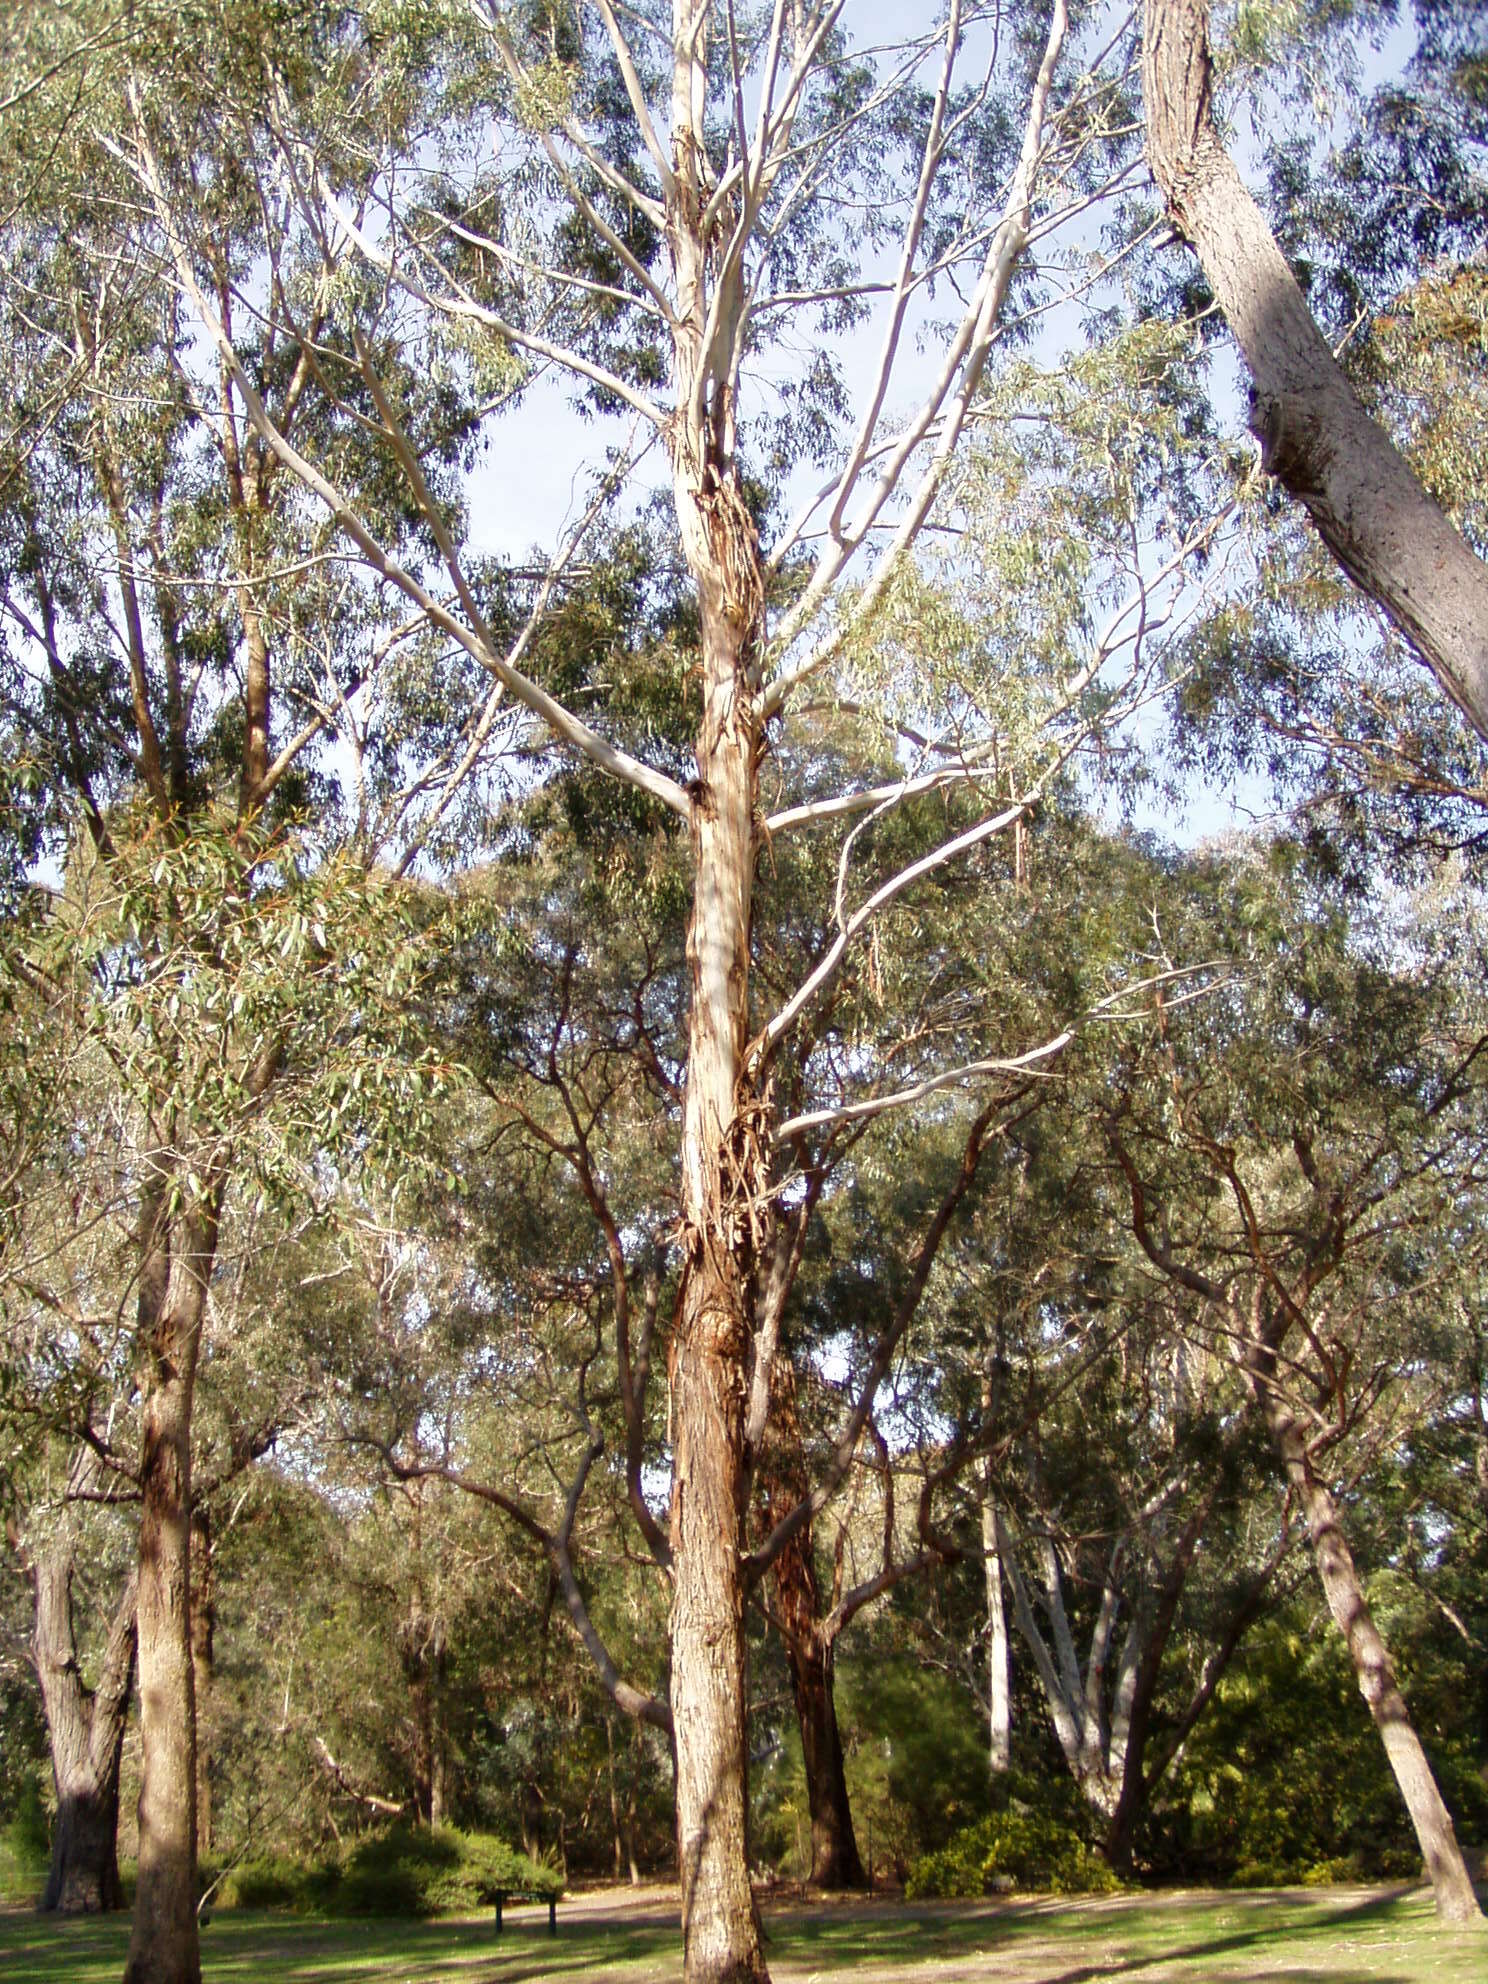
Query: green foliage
{"type": "Point", "coordinates": [272, 1880]}
{"type": "Point", "coordinates": [916, 1762]}
{"type": "Point", "coordinates": [411, 1870]}
{"type": "Point", "coordinates": [1035, 1851]}
{"type": "Point", "coordinates": [25, 1844]}
{"type": "Point", "coordinates": [1285, 1780]}
{"type": "Point", "coordinates": [419, 1870]}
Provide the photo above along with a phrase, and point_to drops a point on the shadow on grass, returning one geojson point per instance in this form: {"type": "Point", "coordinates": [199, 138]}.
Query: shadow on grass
{"type": "Point", "coordinates": [1251, 1939]}
{"type": "Point", "coordinates": [1214, 1939]}
{"type": "Point", "coordinates": [1134, 1937]}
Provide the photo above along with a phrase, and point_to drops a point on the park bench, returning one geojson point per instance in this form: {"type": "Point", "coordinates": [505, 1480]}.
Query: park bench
{"type": "Point", "coordinates": [501, 1896]}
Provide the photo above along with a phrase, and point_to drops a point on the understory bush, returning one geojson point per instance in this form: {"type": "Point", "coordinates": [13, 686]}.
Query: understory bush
{"type": "Point", "coordinates": [410, 1870]}
{"type": "Point", "coordinates": [1035, 1852]}
{"type": "Point", "coordinates": [25, 1845]}
{"type": "Point", "coordinates": [1285, 1781]}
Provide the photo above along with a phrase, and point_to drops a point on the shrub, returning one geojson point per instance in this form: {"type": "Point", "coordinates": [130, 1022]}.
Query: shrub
{"type": "Point", "coordinates": [916, 1761]}
{"type": "Point", "coordinates": [25, 1845]}
{"type": "Point", "coordinates": [276, 1880]}
{"type": "Point", "coordinates": [410, 1870]}
{"type": "Point", "coordinates": [1035, 1851]}
{"type": "Point", "coordinates": [423, 1871]}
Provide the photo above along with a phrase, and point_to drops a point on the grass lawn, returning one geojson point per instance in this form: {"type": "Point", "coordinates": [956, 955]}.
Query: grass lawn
{"type": "Point", "coordinates": [1344, 1936]}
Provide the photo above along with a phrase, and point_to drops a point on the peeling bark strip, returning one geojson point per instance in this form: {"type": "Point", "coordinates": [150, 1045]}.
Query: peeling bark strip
{"type": "Point", "coordinates": [1316, 437]}
{"type": "Point", "coordinates": [723, 1163]}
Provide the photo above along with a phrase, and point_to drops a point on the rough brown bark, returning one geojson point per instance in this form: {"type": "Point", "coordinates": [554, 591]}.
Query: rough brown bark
{"type": "Point", "coordinates": [1383, 528]}
{"type": "Point", "coordinates": [178, 1255]}
{"type": "Point", "coordinates": [1373, 1670]}
{"type": "Point", "coordinates": [720, 1929]}
{"type": "Point", "coordinates": [835, 1861]}
{"type": "Point", "coordinates": [203, 1638]}
{"type": "Point", "coordinates": [809, 1650]}
{"type": "Point", "coordinates": [85, 1733]}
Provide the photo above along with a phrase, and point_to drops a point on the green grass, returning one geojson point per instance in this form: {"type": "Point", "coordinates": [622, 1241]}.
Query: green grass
{"type": "Point", "coordinates": [1212, 1939]}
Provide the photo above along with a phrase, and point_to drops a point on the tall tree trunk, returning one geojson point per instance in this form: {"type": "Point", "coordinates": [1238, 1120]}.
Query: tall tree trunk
{"type": "Point", "coordinates": [720, 1929]}
{"type": "Point", "coordinates": [722, 1177]}
{"type": "Point", "coordinates": [638, 1739]}
{"type": "Point", "coordinates": [85, 1733]}
{"type": "Point", "coordinates": [438, 1765]}
{"type": "Point", "coordinates": [1142, 1676]}
{"type": "Point", "coordinates": [1373, 1669]}
{"type": "Point", "coordinates": [724, 1172]}
{"type": "Point", "coordinates": [203, 1635]}
{"type": "Point", "coordinates": [1380, 524]}
{"type": "Point", "coordinates": [178, 1255]}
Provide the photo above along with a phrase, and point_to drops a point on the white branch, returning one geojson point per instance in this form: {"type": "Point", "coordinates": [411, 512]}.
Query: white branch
{"type": "Point", "coordinates": [967, 356]}
{"type": "Point", "coordinates": [572, 729]}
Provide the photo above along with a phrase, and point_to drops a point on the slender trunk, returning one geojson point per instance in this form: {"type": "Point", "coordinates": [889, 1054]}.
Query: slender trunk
{"type": "Point", "coordinates": [724, 1172]}
{"type": "Point", "coordinates": [203, 1633]}
{"type": "Point", "coordinates": [1383, 528]}
{"type": "Point", "coordinates": [178, 1253]}
{"type": "Point", "coordinates": [85, 1732]}
{"type": "Point", "coordinates": [720, 1929]}
{"type": "Point", "coordinates": [633, 1796]}
{"type": "Point", "coordinates": [614, 1795]}
{"type": "Point", "coordinates": [1373, 1670]}
{"type": "Point", "coordinates": [438, 1769]}
{"type": "Point", "coordinates": [999, 1692]}
{"type": "Point", "coordinates": [423, 1743]}
{"type": "Point", "coordinates": [810, 1652]}
{"type": "Point", "coordinates": [1143, 1678]}
{"type": "Point", "coordinates": [1067, 1694]}
{"type": "Point", "coordinates": [835, 1861]}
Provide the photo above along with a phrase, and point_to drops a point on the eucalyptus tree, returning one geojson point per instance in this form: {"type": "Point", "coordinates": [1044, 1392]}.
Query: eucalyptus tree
{"type": "Point", "coordinates": [1319, 1204]}
{"type": "Point", "coordinates": [1126, 1512]}
{"type": "Point", "coordinates": [213, 765]}
{"type": "Point", "coordinates": [663, 205]}
{"type": "Point", "coordinates": [1107, 1460]}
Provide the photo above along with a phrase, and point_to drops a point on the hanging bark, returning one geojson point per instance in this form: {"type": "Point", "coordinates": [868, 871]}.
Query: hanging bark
{"type": "Point", "coordinates": [178, 1255]}
{"type": "Point", "coordinates": [1373, 1669]}
{"type": "Point", "coordinates": [1383, 528]}
{"type": "Point", "coordinates": [723, 1174]}
{"type": "Point", "coordinates": [85, 1733]}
